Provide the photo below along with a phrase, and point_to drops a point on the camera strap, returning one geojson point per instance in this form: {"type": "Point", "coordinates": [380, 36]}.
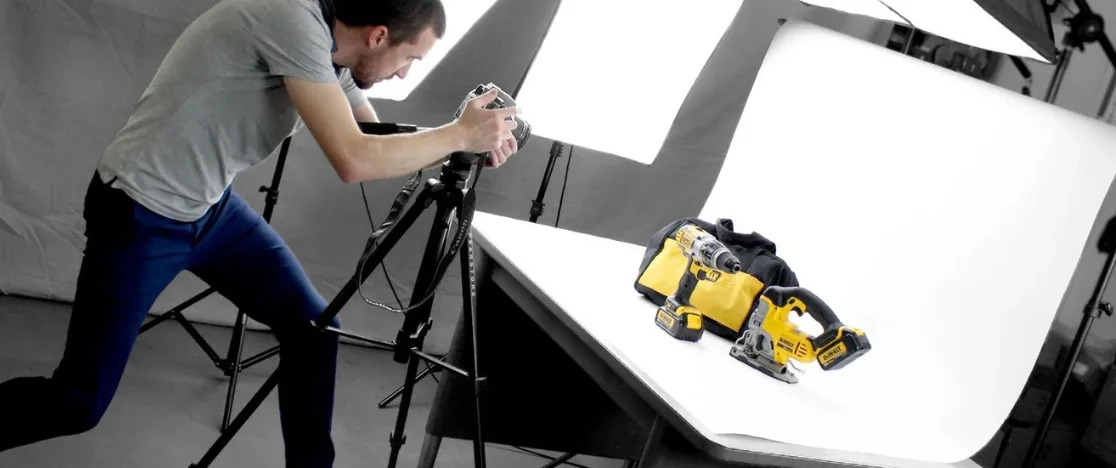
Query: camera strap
{"type": "Point", "coordinates": [401, 200]}
{"type": "Point", "coordinates": [467, 207]}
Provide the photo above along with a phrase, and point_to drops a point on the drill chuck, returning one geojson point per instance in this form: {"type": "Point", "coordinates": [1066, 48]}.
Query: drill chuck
{"type": "Point", "coordinates": [728, 262]}
{"type": "Point", "coordinates": [713, 254]}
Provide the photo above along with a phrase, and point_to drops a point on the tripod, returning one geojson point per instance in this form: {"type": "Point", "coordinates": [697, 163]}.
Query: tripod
{"type": "Point", "coordinates": [232, 363]}
{"type": "Point", "coordinates": [454, 203]}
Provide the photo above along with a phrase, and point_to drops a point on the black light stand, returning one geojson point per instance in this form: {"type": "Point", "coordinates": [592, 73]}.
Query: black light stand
{"type": "Point", "coordinates": [1093, 309]}
{"type": "Point", "coordinates": [1085, 27]}
{"type": "Point", "coordinates": [232, 363]}
{"type": "Point", "coordinates": [537, 203]}
{"type": "Point", "coordinates": [556, 147]}
{"type": "Point", "coordinates": [454, 202]}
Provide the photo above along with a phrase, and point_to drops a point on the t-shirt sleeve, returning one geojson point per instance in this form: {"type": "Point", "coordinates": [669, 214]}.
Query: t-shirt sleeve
{"type": "Point", "coordinates": [355, 94]}
{"type": "Point", "coordinates": [293, 41]}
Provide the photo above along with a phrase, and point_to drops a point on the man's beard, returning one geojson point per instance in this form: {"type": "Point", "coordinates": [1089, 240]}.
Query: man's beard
{"type": "Point", "coordinates": [361, 83]}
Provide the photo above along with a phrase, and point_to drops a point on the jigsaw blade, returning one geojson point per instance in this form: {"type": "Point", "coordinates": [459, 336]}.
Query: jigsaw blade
{"type": "Point", "coordinates": [744, 351]}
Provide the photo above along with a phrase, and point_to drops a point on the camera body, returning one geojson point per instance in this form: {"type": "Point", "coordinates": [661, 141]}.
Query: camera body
{"type": "Point", "coordinates": [522, 130]}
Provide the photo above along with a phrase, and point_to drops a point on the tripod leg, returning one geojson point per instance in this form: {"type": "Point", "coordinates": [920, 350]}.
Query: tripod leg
{"type": "Point", "coordinates": [469, 293]}
{"type": "Point", "coordinates": [232, 362]}
{"type": "Point", "coordinates": [238, 423]}
{"type": "Point", "coordinates": [414, 326]}
{"type": "Point", "coordinates": [397, 438]}
{"type": "Point", "coordinates": [373, 257]}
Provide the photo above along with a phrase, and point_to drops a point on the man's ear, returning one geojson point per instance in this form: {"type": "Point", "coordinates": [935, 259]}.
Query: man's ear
{"type": "Point", "coordinates": [376, 36]}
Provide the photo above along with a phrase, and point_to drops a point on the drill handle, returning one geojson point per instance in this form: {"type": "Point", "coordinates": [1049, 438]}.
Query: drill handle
{"type": "Point", "coordinates": [687, 283]}
{"type": "Point", "coordinates": [817, 308]}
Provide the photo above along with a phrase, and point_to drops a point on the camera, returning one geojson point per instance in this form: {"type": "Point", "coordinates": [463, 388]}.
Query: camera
{"type": "Point", "coordinates": [522, 130]}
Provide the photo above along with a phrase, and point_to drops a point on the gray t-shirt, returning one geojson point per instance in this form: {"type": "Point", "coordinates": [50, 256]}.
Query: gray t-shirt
{"type": "Point", "coordinates": [217, 104]}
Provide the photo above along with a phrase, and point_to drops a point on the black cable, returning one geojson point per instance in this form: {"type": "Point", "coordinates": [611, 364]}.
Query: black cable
{"type": "Point", "coordinates": [382, 265]}
{"type": "Point", "coordinates": [564, 181]}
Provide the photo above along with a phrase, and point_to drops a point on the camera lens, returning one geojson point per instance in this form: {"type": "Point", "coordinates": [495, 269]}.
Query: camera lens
{"type": "Point", "coordinates": [522, 132]}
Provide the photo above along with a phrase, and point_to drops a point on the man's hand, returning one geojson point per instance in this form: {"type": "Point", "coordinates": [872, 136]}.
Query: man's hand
{"type": "Point", "coordinates": [488, 130]}
{"type": "Point", "coordinates": [501, 155]}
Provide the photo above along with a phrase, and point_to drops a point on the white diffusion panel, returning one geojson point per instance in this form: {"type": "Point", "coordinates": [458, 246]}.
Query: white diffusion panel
{"type": "Point", "coordinates": [941, 214]}
{"type": "Point", "coordinates": [612, 74]}
{"type": "Point", "coordinates": [460, 17]}
{"type": "Point", "coordinates": [964, 21]}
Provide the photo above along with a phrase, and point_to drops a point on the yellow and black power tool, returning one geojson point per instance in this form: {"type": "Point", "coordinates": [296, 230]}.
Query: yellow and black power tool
{"type": "Point", "coordinates": [769, 339]}
{"type": "Point", "coordinates": [706, 258]}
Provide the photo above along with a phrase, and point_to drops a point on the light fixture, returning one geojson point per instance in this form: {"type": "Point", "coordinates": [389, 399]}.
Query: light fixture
{"type": "Point", "coordinates": [1018, 28]}
{"type": "Point", "coordinates": [460, 15]}
{"type": "Point", "coordinates": [612, 74]}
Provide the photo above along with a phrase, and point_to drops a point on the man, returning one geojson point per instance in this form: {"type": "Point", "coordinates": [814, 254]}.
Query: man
{"type": "Point", "coordinates": [231, 88]}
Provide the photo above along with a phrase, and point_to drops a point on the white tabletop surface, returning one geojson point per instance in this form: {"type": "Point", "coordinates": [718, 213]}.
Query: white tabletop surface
{"type": "Point", "coordinates": [591, 280]}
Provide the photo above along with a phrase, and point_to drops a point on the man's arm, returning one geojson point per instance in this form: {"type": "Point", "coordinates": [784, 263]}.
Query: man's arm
{"type": "Point", "coordinates": [356, 156]}
{"type": "Point", "coordinates": [365, 113]}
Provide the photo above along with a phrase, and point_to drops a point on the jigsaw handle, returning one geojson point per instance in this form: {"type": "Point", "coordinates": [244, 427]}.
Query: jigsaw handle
{"type": "Point", "coordinates": [804, 299]}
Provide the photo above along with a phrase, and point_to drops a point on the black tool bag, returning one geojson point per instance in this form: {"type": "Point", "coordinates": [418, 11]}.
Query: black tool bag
{"type": "Point", "coordinates": [724, 304]}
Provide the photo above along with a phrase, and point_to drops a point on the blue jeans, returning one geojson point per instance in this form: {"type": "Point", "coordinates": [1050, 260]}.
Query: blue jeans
{"type": "Point", "coordinates": [131, 255]}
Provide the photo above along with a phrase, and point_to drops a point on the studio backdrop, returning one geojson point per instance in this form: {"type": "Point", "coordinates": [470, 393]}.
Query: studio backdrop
{"type": "Point", "coordinates": [72, 70]}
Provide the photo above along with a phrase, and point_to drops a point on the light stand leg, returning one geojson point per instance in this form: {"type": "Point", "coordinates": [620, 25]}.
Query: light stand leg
{"type": "Point", "coordinates": [1093, 309]}
{"type": "Point", "coordinates": [395, 394]}
{"type": "Point", "coordinates": [236, 351]}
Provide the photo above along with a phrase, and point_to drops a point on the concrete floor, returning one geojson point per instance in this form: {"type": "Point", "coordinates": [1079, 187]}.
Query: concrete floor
{"type": "Point", "coordinates": [169, 406]}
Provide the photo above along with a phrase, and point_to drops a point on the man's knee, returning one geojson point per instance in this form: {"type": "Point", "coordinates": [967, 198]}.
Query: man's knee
{"type": "Point", "coordinates": [80, 412]}
{"type": "Point", "coordinates": [316, 308]}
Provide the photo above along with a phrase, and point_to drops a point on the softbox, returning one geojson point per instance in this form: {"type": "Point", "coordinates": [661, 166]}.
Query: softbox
{"type": "Point", "coordinates": [1018, 28]}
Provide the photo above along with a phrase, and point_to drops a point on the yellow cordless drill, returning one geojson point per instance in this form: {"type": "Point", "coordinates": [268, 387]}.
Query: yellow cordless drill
{"type": "Point", "coordinates": [770, 339]}
{"type": "Point", "coordinates": [706, 259]}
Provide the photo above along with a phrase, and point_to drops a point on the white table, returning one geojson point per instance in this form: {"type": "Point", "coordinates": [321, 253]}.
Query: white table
{"type": "Point", "coordinates": [564, 281]}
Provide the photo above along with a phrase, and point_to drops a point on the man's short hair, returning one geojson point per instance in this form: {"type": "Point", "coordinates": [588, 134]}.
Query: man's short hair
{"type": "Point", "coordinates": [405, 19]}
